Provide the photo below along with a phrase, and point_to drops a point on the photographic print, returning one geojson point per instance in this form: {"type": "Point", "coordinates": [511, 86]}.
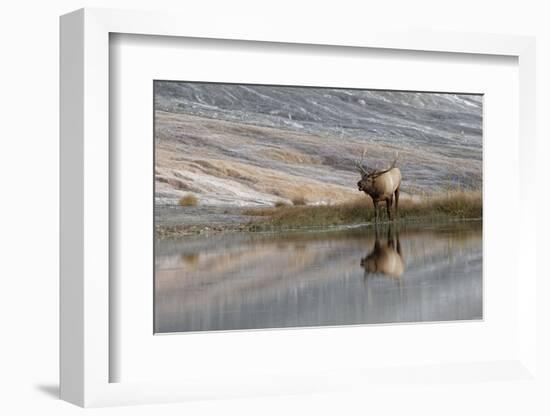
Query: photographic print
{"type": "Point", "coordinates": [290, 206]}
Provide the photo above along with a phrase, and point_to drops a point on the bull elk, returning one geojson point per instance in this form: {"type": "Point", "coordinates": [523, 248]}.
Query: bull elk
{"type": "Point", "coordinates": [380, 185]}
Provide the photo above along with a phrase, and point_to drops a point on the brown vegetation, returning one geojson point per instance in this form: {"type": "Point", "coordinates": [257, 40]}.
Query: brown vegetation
{"type": "Point", "coordinates": [450, 205]}
{"type": "Point", "coordinates": [188, 201]}
{"type": "Point", "coordinates": [298, 201]}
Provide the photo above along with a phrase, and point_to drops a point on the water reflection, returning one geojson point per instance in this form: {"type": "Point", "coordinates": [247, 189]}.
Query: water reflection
{"type": "Point", "coordinates": [385, 259]}
{"type": "Point", "coordinates": [245, 281]}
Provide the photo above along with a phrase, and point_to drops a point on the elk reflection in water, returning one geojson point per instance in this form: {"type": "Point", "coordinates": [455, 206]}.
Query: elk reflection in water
{"type": "Point", "coordinates": [385, 258]}
{"type": "Point", "coordinates": [246, 281]}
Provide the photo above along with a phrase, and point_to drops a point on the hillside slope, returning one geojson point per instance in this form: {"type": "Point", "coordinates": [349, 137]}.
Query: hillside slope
{"type": "Point", "coordinates": [255, 145]}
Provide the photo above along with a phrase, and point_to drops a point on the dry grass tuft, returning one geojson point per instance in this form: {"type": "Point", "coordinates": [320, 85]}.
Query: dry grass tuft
{"type": "Point", "coordinates": [188, 201]}
{"type": "Point", "coordinates": [298, 201]}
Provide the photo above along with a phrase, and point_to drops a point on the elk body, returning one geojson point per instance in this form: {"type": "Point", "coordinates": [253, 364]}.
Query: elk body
{"type": "Point", "coordinates": [381, 186]}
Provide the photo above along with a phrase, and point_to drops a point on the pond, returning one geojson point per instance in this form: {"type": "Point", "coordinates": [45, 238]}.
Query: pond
{"type": "Point", "coordinates": [361, 275]}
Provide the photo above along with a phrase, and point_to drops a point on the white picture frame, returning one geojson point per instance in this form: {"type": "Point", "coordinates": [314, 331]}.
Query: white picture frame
{"type": "Point", "coordinates": [85, 220]}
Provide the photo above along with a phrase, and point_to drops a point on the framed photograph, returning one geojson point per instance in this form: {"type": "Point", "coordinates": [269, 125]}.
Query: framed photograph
{"type": "Point", "coordinates": [270, 212]}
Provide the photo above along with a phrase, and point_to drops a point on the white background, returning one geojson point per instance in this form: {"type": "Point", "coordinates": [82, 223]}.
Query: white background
{"type": "Point", "coordinates": [29, 210]}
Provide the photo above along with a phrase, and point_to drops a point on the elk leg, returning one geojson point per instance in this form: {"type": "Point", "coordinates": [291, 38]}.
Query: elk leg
{"type": "Point", "coordinates": [397, 203]}
{"type": "Point", "coordinates": [399, 247]}
{"type": "Point", "coordinates": [375, 203]}
{"type": "Point", "coordinates": [388, 207]}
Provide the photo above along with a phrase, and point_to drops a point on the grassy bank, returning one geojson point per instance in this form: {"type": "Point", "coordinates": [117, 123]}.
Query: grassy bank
{"type": "Point", "coordinates": [454, 205]}
{"type": "Point", "coordinates": [450, 205]}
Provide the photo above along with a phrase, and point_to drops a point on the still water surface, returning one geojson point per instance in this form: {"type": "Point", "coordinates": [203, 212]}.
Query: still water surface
{"type": "Point", "coordinates": [354, 276]}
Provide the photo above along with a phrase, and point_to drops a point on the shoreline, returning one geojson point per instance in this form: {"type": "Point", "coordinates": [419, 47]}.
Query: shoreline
{"type": "Point", "coordinates": [182, 231]}
{"type": "Point", "coordinates": [174, 222]}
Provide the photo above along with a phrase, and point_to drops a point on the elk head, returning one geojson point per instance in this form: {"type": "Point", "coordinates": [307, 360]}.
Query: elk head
{"type": "Point", "coordinates": [369, 176]}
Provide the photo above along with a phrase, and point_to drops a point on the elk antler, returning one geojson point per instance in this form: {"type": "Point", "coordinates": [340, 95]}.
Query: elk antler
{"type": "Point", "coordinates": [359, 164]}
{"type": "Point", "coordinates": [394, 163]}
